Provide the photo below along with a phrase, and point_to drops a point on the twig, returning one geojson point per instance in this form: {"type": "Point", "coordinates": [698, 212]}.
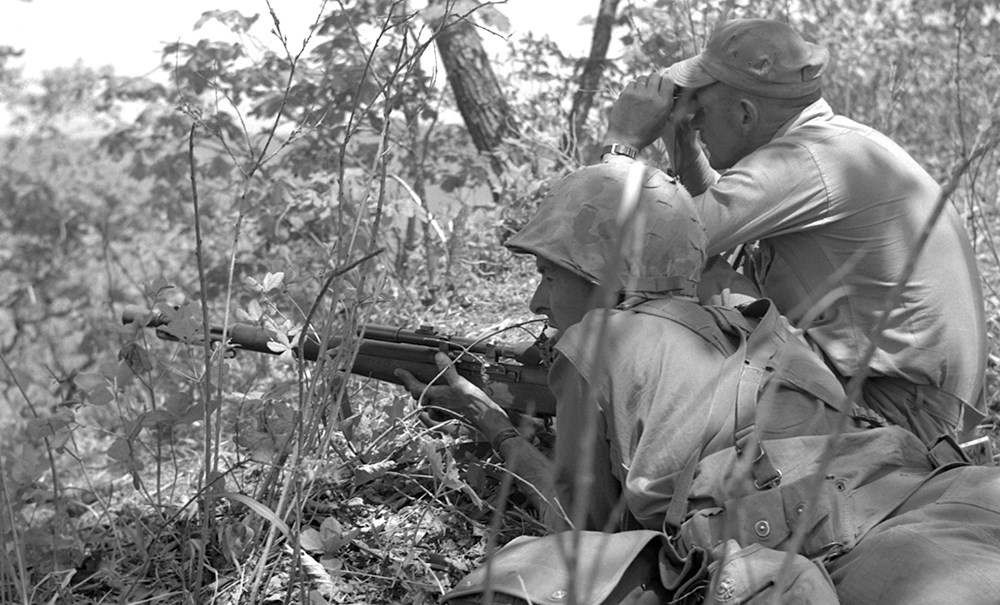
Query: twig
{"type": "Point", "coordinates": [312, 311]}
{"type": "Point", "coordinates": [206, 380]}
{"type": "Point", "coordinates": [45, 439]}
{"type": "Point", "coordinates": [21, 573]}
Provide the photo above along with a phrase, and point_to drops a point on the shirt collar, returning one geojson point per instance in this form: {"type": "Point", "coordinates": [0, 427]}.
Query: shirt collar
{"type": "Point", "coordinates": [817, 109]}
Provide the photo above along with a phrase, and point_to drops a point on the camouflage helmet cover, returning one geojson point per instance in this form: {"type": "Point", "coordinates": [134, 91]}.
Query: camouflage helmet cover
{"type": "Point", "coordinates": [584, 225]}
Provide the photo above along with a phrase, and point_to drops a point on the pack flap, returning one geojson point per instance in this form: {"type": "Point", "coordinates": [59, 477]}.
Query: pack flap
{"type": "Point", "coordinates": [538, 569]}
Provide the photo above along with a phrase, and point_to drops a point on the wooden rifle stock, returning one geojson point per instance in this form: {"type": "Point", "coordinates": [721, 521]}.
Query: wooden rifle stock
{"type": "Point", "coordinates": [512, 375]}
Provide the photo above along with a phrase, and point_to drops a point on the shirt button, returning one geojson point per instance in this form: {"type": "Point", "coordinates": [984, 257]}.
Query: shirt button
{"type": "Point", "coordinates": [762, 528]}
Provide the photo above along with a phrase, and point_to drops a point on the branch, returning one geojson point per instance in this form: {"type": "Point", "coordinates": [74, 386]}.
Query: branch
{"type": "Point", "coordinates": [590, 79]}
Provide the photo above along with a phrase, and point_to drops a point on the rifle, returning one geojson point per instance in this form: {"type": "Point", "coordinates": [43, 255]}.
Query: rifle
{"type": "Point", "coordinates": [514, 376]}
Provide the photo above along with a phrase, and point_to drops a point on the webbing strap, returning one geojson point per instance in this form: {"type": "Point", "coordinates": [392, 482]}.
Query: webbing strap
{"type": "Point", "coordinates": [765, 474]}
{"type": "Point", "coordinates": [745, 372]}
{"type": "Point", "coordinates": [757, 323]}
{"type": "Point", "coordinates": [764, 343]}
{"type": "Point", "coordinates": [679, 499]}
{"type": "Point", "coordinates": [725, 392]}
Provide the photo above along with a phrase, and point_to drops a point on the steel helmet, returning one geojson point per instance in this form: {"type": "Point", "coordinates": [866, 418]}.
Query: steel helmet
{"type": "Point", "coordinates": [621, 222]}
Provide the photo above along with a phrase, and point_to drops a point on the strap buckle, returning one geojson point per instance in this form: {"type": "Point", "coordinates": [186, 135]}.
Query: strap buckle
{"type": "Point", "coordinates": [774, 481]}
{"type": "Point", "coordinates": [765, 475]}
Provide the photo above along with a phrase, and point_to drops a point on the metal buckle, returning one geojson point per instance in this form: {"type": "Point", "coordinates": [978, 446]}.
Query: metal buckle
{"type": "Point", "coordinates": [772, 482]}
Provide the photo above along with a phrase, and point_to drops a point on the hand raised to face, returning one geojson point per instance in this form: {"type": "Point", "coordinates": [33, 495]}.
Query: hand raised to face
{"type": "Point", "coordinates": [642, 111]}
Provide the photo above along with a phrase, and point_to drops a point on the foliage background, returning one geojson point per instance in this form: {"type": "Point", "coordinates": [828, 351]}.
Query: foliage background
{"type": "Point", "coordinates": [136, 470]}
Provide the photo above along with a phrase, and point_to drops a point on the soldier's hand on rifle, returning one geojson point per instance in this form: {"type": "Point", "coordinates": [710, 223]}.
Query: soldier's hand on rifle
{"type": "Point", "coordinates": [459, 396]}
{"type": "Point", "coordinates": [465, 398]}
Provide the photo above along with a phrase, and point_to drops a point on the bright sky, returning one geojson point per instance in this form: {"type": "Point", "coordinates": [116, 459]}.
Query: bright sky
{"type": "Point", "coordinates": [129, 34]}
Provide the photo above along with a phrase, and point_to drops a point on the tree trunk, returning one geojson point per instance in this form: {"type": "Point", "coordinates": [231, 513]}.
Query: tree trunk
{"type": "Point", "coordinates": [484, 108]}
{"type": "Point", "coordinates": [590, 79]}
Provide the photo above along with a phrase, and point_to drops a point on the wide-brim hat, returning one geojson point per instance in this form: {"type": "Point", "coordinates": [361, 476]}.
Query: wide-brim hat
{"type": "Point", "coordinates": [759, 56]}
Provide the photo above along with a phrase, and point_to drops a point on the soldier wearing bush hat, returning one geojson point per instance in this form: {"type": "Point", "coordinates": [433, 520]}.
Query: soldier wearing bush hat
{"type": "Point", "coordinates": [836, 208]}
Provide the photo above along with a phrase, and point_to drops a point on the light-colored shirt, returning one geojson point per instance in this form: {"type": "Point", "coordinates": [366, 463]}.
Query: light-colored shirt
{"type": "Point", "coordinates": [633, 395]}
{"type": "Point", "coordinates": [639, 388]}
{"type": "Point", "coordinates": [838, 209]}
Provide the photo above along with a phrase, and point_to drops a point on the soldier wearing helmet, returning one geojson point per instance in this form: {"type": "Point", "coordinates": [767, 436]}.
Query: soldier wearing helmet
{"type": "Point", "coordinates": [619, 249]}
{"type": "Point", "coordinates": [624, 225]}
{"type": "Point", "coordinates": [603, 236]}
{"type": "Point", "coordinates": [720, 427]}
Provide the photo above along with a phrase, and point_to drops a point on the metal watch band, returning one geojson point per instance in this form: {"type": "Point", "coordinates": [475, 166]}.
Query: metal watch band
{"type": "Point", "coordinates": [620, 149]}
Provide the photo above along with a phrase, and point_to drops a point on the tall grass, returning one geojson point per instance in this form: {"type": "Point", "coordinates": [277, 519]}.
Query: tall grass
{"type": "Point", "coordinates": [183, 474]}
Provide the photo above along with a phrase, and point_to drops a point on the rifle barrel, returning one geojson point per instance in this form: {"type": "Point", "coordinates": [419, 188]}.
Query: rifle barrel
{"type": "Point", "coordinates": [255, 338]}
{"type": "Point", "coordinates": [384, 349]}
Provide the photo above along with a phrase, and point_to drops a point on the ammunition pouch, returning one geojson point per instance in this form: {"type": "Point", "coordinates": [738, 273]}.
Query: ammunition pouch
{"type": "Point", "coordinates": [820, 510]}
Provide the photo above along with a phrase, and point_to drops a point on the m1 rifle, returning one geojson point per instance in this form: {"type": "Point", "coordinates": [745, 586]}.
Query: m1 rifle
{"type": "Point", "coordinates": [514, 376]}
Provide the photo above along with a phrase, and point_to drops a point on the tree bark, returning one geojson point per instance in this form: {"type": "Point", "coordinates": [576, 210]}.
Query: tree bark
{"type": "Point", "coordinates": [590, 78]}
{"type": "Point", "coordinates": [484, 108]}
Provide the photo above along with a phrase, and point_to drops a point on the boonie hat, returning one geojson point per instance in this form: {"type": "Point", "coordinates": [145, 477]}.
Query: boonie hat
{"type": "Point", "coordinates": [583, 224]}
{"type": "Point", "coordinates": [759, 56]}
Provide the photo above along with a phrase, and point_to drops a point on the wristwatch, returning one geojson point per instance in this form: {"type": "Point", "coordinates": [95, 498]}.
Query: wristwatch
{"type": "Point", "coordinates": [620, 149]}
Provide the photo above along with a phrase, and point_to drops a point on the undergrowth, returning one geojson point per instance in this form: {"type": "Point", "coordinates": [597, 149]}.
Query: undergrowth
{"type": "Point", "coordinates": [180, 473]}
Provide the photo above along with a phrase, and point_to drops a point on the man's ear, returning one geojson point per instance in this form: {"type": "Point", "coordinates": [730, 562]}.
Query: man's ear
{"type": "Point", "coordinates": [749, 115]}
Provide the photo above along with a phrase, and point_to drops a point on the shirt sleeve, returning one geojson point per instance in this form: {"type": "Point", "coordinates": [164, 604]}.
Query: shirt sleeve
{"type": "Point", "coordinates": [777, 189]}
{"type": "Point", "coordinates": [584, 482]}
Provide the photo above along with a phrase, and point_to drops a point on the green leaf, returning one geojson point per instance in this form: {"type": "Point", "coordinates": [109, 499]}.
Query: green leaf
{"type": "Point", "coordinates": [369, 472]}
{"type": "Point", "coordinates": [254, 312]}
{"type": "Point", "coordinates": [120, 450]}
{"type": "Point", "coordinates": [100, 396]}
{"type": "Point", "coordinates": [124, 375]}
{"type": "Point", "coordinates": [48, 426]}
{"type": "Point", "coordinates": [216, 483]}
{"type": "Point", "coordinates": [252, 283]}
{"type": "Point", "coordinates": [330, 527]}
{"type": "Point", "coordinates": [28, 466]}
{"type": "Point", "coordinates": [333, 565]}
{"type": "Point", "coordinates": [273, 280]}
{"type": "Point", "coordinates": [235, 20]}
{"type": "Point", "coordinates": [311, 540]}
{"type": "Point", "coordinates": [237, 537]}
{"type": "Point", "coordinates": [194, 413]}
{"type": "Point", "coordinates": [177, 403]}
{"type": "Point", "coordinates": [136, 357]}
{"type": "Point", "coordinates": [157, 290]}
{"type": "Point", "coordinates": [154, 418]}
{"type": "Point", "coordinates": [493, 18]}
{"type": "Point", "coordinates": [258, 508]}
{"type": "Point", "coordinates": [333, 535]}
